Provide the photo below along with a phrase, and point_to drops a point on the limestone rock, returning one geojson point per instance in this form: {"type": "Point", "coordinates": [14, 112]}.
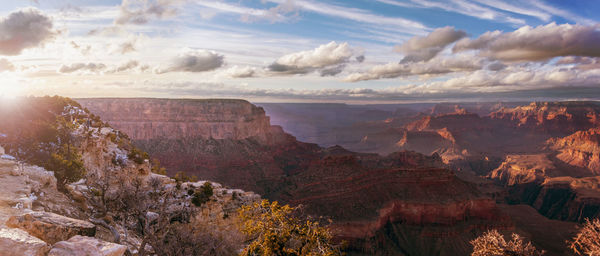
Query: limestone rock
{"type": "Point", "coordinates": [581, 149]}
{"type": "Point", "coordinates": [89, 246]}
{"type": "Point", "coordinates": [18, 242]}
{"type": "Point", "coordinates": [51, 227]}
{"type": "Point", "coordinates": [552, 117]}
{"type": "Point", "coordinates": [520, 169]}
{"type": "Point", "coordinates": [170, 119]}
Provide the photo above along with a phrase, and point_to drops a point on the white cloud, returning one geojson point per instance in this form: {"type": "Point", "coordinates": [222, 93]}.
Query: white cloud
{"type": "Point", "coordinates": [536, 43]}
{"type": "Point", "coordinates": [324, 56]}
{"type": "Point", "coordinates": [6, 65]}
{"type": "Point", "coordinates": [584, 63]}
{"type": "Point", "coordinates": [85, 50]}
{"type": "Point", "coordinates": [24, 29]}
{"type": "Point", "coordinates": [132, 64]}
{"type": "Point", "coordinates": [275, 14]}
{"type": "Point", "coordinates": [194, 61]}
{"type": "Point", "coordinates": [435, 66]}
{"type": "Point", "coordinates": [423, 48]}
{"type": "Point", "coordinates": [90, 67]}
{"type": "Point", "coordinates": [561, 12]}
{"type": "Point", "coordinates": [240, 72]}
{"type": "Point", "coordinates": [540, 14]}
{"type": "Point", "coordinates": [142, 11]}
{"type": "Point", "coordinates": [462, 7]}
{"type": "Point", "coordinates": [359, 15]}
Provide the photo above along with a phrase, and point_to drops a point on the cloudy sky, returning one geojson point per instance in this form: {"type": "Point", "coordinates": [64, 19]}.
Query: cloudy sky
{"type": "Point", "coordinates": [354, 51]}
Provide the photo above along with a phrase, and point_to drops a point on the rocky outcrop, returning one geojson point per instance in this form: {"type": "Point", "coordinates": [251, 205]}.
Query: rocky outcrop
{"type": "Point", "coordinates": [425, 142]}
{"type": "Point", "coordinates": [25, 187]}
{"type": "Point", "coordinates": [521, 169]}
{"type": "Point", "coordinates": [556, 191]}
{"type": "Point", "coordinates": [554, 118]}
{"type": "Point", "coordinates": [145, 119]}
{"type": "Point", "coordinates": [581, 149]}
{"type": "Point", "coordinates": [83, 245]}
{"type": "Point", "coordinates": [19, 242]}
{"type": "Point", "coordinates": [51, 227]}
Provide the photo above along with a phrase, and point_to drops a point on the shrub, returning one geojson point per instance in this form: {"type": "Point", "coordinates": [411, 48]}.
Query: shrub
{"type": "Point", "coordinates": [182, 177]}
{"type": "Point", "coordinates": [137, 155]}
{"type": "Point", "coordinates": [492, 243]}
{"type": "Point", "coordinates": [587, 240]}
{"type": "Point", "coordinates": [156, 168]}
{"type": "Point", "coordinates": [203, 195]}
{"type": "Point", "coordinates": [67, 167]}
{"type": "Point", "coordinates": [274, 229]}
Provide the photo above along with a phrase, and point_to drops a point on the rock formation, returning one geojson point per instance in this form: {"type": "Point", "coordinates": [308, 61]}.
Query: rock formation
{"type": "Point", "coordinates": [554, 189]}
{"type": "Point", "coordinates": [581, 149]}
{"type": "Point", "coordinates": [364, 194]}
{"type": "Point", "coordinates": [18, 242]}
{"type": "Point", "coordinates": [51, 227]}
{"type": "Point", "coordinates": [145, 119]}
{"type": "Point", "coordinates": [83, 245]}
{"type": "Point", "coordinates": [554, 118]}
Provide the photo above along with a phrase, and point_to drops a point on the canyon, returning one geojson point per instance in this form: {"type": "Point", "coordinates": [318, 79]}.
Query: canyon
{"type": "Point", "coordinates": [440, 180]}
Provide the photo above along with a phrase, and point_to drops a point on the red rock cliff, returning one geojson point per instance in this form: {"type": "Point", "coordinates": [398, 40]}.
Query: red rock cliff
{"type": "Point", "coordinates": [581, 149]}
{"type": "Point", "coordinates": [552, 117]}
{"type": "Point", "coordinates": [362, 193]}
{"type": "Point", "coordinates": [144, 119]}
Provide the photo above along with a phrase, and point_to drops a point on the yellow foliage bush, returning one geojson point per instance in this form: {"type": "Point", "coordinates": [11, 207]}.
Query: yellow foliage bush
{"type": "Point", "coordinates": [273, 229]}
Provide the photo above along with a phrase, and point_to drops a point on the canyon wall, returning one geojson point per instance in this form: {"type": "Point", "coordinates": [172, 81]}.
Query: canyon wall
{"type": "Point", "coordinates": [581, 149]}
{"type": "Point", "coordinates": [233, 143]}
{"type": "Point", "coordinates": [144, 119]}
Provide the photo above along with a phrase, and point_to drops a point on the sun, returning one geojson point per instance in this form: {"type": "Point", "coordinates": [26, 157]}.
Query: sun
{"type": "Point", "coordinates": [10, 88]}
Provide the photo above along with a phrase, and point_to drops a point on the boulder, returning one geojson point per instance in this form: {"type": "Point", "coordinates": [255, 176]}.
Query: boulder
{"type": "Point", "coordinates": [89, 246]}
{"type": "Point", "coordinates": [18, 242]}
{"type": "Point", "coordinates": [51, 227]}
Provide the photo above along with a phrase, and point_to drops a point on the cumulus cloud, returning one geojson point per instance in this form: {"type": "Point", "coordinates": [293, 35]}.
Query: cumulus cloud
{"type": "Point", "coordinates": [131, 44]}
{"type": "Point", "coordinates": [90, 67]}
{"type": "Point", "coordinates": [24, 29]}
{"type": "Point", "coordinates": [496, 66]}
{"type": "Point", "coordinates": [536, 43]}
{"type": "Point", "coordinates": [6, 65]}
{"type": "Point", "coordinates": [332, 71]}
{"type": "Point", "coordinates": [194, 61]}
{"type": "Point", "coordinates": [142, 11]}
{"type": "Point", "coordinates": [126, 47]}
{"type": "Point", "coordinates": [130, 65]}
{"type": "Point", "coordinates": [109, 31]}
{"type": "Point", "coordinates": [323, 57]}
{"type": "Point", "coordinates": [423, 48]}
{"type": "Point", "coordinates": [85, 50]}
{"type": "Point", "coordinates": [435, 66]}
{"type": "Point", "coordinates": [240, 72]}
{"type": "Point", "coordinates": [585, 63]}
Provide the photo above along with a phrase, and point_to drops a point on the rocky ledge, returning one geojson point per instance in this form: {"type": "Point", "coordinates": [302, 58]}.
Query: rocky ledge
{"type": "Point", "coordinates": [581, 149]}
{"type": "Point", "coordinates": [144, 119]}
{"type": "Point", "coordinates": [51, 227]}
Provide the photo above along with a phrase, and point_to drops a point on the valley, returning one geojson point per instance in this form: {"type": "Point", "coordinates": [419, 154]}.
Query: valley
{"type": "Point", "coordinates": [425, 171]}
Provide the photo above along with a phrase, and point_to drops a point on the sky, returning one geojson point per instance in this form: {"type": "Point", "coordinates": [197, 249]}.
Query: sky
{"type": "Point", "coordinates": [352, 51]}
